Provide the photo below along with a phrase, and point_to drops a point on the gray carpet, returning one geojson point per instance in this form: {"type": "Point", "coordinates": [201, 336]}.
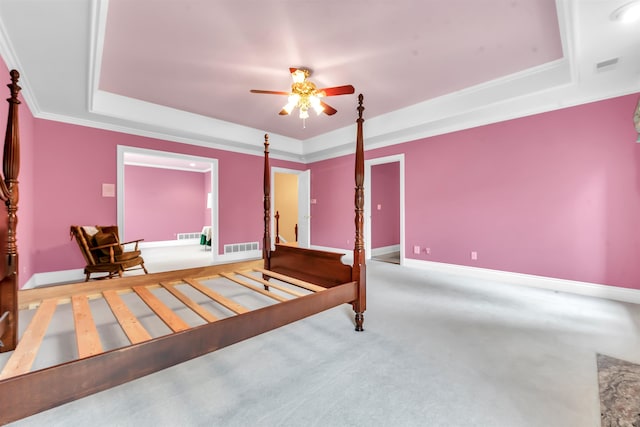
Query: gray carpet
{"type": "Point", "coordinates": [438, 350]}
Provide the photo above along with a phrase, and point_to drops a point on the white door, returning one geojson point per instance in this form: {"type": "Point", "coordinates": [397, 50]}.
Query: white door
{"type": "Point", "coordinates": [304, 214]}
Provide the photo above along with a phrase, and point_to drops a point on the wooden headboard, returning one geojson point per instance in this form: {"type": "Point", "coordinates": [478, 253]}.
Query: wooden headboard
{"type": "Point", "coordinates": [316, 266]}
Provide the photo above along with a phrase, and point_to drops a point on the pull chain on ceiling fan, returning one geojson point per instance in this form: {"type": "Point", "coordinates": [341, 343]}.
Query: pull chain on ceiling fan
{"type": "Point", "coordinates": [305, 95]}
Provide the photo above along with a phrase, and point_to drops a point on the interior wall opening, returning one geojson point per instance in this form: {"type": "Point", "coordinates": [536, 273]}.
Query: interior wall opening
{"type": "Point", "coordinates": [156, 177]}
{"type": "Point", "coordinates": [384, 208]}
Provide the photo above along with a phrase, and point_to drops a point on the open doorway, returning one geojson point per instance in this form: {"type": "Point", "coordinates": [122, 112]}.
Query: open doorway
{"type": "Point", "coordinates": [204, 204]}
{"type": "Point", "coordinates": [384, 208]}
{"type": "Point", "coordinates": [290, 189]}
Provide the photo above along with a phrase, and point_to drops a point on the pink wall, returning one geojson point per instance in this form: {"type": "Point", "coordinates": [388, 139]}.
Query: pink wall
{"type": "Point", "coordinates": [72, 162]}
{"type": "Point", "coordinates": [26, 203]}
{"type": "Point", "coordinates": [554, 194]}
{"type": "Point", "coordinates": [160, 203]}
{"type": "Point", "coordinates": [385, 193]}
{"type": "Point", "coordinates": [332, 216]}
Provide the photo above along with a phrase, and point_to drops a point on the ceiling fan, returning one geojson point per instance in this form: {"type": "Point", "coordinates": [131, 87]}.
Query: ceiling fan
{"type": "Point", "coordinates": [305, 95]}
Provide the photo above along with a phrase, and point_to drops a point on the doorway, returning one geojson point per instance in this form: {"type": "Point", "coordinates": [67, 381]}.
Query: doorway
{"type": "Point", "coordinates": [388, 206]}
{"type": "Point", "coordinates": [301, 199]}
{"type": "Point", "coordinates": [173, 161]}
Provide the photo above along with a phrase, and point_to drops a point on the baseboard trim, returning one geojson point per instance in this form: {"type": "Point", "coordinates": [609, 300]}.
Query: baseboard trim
{"type": "Point", "coordinates": [238, 256]}
{"type": "Point", "coordinates": [562, 285]}
{"type": "Point", "coordinates": [542, 282]}
{"type": "Point", "coordinates": [385, 250]}
{"type": "Point", "coordinates": [54, 277]}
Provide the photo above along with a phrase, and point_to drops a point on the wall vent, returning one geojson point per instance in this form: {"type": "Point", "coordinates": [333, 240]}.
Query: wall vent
{"type": "Point", "coordinates": [240, 247]}
{"type": "Point", "coordinates": [188, 236]}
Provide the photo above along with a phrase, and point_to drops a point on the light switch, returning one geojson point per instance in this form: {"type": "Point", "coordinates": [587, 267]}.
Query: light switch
{"type": "Point", "coordinates": [379, 206]}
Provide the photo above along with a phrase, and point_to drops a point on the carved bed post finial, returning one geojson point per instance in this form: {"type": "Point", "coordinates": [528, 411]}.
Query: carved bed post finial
{"type": "Point", "coordinates": [359, 267]}
{"type": "Point", "coordinates": [266, 241]}
{"type": "Point", "coordinates": [10, 195]}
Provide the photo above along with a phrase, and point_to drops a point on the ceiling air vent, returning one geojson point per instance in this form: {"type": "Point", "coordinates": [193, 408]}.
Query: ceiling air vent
{"type": "Point", "coordinates": [607, 65]}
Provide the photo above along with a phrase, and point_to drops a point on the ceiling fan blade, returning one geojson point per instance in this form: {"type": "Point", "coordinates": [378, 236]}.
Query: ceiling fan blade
{"type": "Point", "coordinates": [269, 92]}
{"type": "Point", "coordinates": [283, 112]}
{"type": "Point", "coordinates": [337, 90]}
{"type": "Point", "coordinates": [292, 70]}
{"type": "Point", "coordinates": [328, 109]}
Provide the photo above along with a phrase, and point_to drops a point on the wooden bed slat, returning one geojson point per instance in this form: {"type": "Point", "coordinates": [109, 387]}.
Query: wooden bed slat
{"type": "Point", "coordinates": [87, 335]}
{"type": "Point", "coordinates": [127, 320]}
{"type": "Point", "coordinates": [171, 319]}
{"type": "Point", "coordinates": [24, 355]}
{"type": "Point", "coordinates": [301, 283]}
{"type": "Point", "coordinates": [247, 285]}
{"type": "Point", "coordinates": [272, 285]}
{"type": "Point", "coordinates": [224, 301]}
{"type": "Point", "coordinates": [197, 308]}
{"type": "Point", "coordinates": [29, 298]}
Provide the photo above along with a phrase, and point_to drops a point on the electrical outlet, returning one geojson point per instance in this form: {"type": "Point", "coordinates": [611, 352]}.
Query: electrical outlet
{"type": "Point", "coordinates": [416, 250]}
{"type": "Point", "coordinates": [474, 255]}
{"type": "Point", "coordinates": [427, 250]}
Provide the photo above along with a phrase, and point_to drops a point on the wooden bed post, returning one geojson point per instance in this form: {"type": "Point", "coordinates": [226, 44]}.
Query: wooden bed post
{"type": "Point", "coordinates": [359, 271]}
{"type": "Point", "coordinates": [9, 195]}
{"type": "Point", "coordinates": [266, 241]}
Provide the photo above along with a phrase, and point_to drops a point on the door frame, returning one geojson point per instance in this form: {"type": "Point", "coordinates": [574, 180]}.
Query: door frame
{"type": "Point", "coordinates": [306, 201]}
{"type": "Point", "coordinates": [368, 164]}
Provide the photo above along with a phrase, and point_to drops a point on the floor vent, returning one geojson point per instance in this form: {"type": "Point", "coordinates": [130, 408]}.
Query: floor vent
{"type": "Point", "coordinates": [241, 247]}
{"type": "Point", "coordinates": [188, 236]}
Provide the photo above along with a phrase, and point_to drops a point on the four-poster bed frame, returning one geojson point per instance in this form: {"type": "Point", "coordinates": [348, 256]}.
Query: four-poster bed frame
{"type": "Point", "coordinates": [301, 281]}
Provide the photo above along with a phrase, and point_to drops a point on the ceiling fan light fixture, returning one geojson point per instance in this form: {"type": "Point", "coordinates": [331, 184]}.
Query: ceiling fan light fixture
{"type": "Point", "coordinates": [305, 95]}
{"type": "Point", "coordinates": [299, 75]}
{"type": "Point", "coordinates": [292, 102]}
{"type": "Point", "coordinates": [316, 104]}
{"type": "Point", "coordinates": [629, 12]}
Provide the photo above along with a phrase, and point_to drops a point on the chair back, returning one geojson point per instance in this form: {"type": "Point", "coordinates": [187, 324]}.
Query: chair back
{"type": "Point", "coordinates": [83, 240]}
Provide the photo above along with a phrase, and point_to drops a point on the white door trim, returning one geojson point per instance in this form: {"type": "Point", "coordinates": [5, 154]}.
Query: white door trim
{"type": "Point", "coordinates": [367, 201]}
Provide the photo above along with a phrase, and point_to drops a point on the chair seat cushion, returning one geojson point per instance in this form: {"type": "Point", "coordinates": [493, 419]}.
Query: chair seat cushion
{"type": "Point", "coordinates": [124, 256]}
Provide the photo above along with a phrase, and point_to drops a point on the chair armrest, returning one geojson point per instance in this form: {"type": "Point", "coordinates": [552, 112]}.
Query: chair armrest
{"type": "Point", "coordinates": [107, 245]}
{"type": "Point", "coordinates": [133, 241]}
{"type": "Point", "coordinates": [111, 250]}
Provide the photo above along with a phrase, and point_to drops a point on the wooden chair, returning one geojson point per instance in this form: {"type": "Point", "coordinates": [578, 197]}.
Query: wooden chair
{"type": "Point", "coordinates": [103, 252]}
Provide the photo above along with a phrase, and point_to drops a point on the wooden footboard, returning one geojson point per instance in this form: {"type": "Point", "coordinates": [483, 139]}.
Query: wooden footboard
{"type": "Point", "coordinates": [287, 300]}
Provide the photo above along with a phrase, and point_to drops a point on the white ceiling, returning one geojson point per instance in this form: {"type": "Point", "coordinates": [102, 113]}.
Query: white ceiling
{"type": "Point", "coordinates": [182, 69]}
